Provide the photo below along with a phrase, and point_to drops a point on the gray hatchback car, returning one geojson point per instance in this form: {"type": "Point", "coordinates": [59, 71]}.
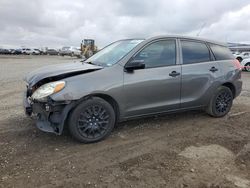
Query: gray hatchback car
{"type": "Point", "coordinates": [133, 78]}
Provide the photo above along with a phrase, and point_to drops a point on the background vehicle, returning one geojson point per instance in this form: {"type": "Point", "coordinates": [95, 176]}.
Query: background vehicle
{"type": "Point", "coordinates": [4, 51]}
{"type": "Point", "coordinates": [131, 79]}
{"type": "Point", "coordinates": [11, 50]}
{"type": "Point", "coordinates": [88, 48]}
{"type": "Point", "coordinates": [242, 55]}
{"type": "Point", "coordinates": [29, 51]}
{"type": "Point", "coordinates": [43, 50]}
{"type": "Point", "coordinates": [245, 54]}
{"type": "Point", "coordinates": [70, 51]}
{"type": "Point", "coordinates": [36, 51]}
{"type": "Point", "coordinates": [246, 64]}
{"type": "Point", "coordinates": [16, 52]}
{"type": "Point", "coordinates": [52, 52]}
{"type": "Point", "coordinates": [26, 51]}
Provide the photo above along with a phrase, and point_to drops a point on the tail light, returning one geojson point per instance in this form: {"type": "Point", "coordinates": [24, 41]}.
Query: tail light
{"type": "Point", "coordinates": [237, 64]}
{"type": "Point", "coordinates": [238, 67]}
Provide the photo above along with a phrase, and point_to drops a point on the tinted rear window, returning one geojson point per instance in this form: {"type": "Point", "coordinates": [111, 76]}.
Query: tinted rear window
{"type": "Point", "coordinates": [194, 52]}
{"type": "Point", "coordinates": [221, 52]}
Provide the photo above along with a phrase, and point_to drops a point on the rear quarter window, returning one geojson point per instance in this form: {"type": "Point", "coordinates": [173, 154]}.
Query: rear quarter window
{"type": "Point", "coordinates": [221, 52]}
{"type": "Point", "coordinates": [194, 52]}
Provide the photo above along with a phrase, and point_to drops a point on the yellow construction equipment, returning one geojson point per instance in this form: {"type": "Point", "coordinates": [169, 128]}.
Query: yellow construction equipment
{"type": "Point", "coordinates": [88, 48]}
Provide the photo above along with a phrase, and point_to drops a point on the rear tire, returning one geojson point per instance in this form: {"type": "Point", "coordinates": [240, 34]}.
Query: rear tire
{"type": "Point", "coordinates": [92, 120]}
{"type": "Point", "coordinates": [221, 102]}
{"type": "Point", "coordinates": [247, 69]}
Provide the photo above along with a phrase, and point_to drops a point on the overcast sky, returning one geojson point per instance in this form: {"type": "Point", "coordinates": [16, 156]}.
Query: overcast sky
{"type": "Point", "coordinates": [56, 23]}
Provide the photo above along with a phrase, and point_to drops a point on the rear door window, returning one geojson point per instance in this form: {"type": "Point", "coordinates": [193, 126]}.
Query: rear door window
{"type": "Point", "coordinates": [221, 52]}
{"type": "Point", "coordinates": [194, 52]}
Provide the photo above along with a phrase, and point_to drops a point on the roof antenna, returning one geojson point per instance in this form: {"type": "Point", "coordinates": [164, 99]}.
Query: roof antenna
{"type": "Point", "coordinates": [203, 25]}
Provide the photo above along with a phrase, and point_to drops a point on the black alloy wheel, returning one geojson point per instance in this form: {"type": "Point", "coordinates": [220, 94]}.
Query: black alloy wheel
{"type": "Point", "coordinates": [92, 120]}
{"type": "Point", "coordinates": [221, 102]}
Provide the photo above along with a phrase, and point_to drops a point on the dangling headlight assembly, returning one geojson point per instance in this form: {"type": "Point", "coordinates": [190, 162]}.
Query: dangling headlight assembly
{"type": "Point", "coordinates": [47, 89]}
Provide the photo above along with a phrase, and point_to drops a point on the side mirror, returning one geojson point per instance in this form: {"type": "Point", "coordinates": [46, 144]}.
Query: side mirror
{"type": "Point", "coordinates": [134, 65]}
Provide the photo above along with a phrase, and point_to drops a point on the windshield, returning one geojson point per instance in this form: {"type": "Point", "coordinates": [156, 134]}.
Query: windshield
{"type": "Point", "coordinates": [113, 53]}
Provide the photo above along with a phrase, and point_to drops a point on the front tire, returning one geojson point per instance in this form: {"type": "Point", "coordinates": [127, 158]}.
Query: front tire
{"type": "Point", "coordinates": [92, 120]}
{"type": "Point", "coordinates": [221, 102]}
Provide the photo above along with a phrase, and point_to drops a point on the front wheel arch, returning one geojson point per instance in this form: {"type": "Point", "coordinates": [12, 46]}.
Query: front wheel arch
{"type": "Point", "coordinates": [105, 97]}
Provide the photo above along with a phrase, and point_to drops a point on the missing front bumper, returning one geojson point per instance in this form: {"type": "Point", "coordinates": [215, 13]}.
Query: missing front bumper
{"type": "Point", "coordinates": [50, 117]}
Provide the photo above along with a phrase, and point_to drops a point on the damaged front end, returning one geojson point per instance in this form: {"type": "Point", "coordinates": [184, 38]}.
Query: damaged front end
{"type": "Point", "coordinates": [51, 115]}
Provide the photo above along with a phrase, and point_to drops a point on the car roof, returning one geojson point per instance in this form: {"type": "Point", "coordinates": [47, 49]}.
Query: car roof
{"type": "Point", "coordinates": [189, 38]}
{"type": "Point", "coordinates": [179, 37]}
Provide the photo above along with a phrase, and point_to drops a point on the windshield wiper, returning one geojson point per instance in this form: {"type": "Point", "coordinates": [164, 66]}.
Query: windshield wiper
{"type": "Point", "coordinates": [89, 62]}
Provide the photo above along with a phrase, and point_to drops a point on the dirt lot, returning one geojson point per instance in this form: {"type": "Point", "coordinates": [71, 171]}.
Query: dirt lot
{"type": "Point", "coordinates": [181, 150]}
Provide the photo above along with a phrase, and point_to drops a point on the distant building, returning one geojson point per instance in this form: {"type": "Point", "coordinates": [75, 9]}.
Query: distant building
{"type": "Point", "coordinates": [236, 47]}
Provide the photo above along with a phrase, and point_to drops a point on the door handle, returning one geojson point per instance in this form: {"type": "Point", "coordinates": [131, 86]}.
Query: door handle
{"type": "Point", "coordinates": [213, 69]}
{"type": "Point", "coordinates": [174, 74]}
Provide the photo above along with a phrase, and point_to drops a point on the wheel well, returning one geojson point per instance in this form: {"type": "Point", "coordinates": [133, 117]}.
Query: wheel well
{"type": "Point", "coordinates": [239, 58]}
{"type": "Point", "coordinates": [111, 101]}
{"type": "Point", "coordinates": [231, 87]}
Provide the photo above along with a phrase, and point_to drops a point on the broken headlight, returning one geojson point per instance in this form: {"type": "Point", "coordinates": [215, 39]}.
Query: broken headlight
{"type": "Point", "coordinates": [48, 89]}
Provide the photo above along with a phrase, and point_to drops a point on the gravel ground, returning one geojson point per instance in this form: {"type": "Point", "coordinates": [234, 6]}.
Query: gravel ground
{"type": "Point", "coordinates": [179, 150]}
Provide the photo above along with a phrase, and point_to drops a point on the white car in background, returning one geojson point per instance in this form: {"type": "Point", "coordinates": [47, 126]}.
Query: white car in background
{"type": "Point", "coordinates": [245, 54]}
{"type": "Point", "coordinates": [242, 55]}
{"type": "Point", "coordinates": [246, 64]}
{"type": "Point", "coordinates": [70, 51]}
{"type": "Point", "coordinates": [29, 51]}
{"type": "Point", "coordinates": [26, 51]}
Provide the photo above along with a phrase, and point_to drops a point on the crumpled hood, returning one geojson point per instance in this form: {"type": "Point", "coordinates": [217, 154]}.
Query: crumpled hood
{"type": "Point", "coordinates": [59, 71]}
